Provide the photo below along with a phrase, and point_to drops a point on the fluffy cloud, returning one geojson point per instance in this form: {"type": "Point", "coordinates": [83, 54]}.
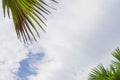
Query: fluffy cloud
{"type": "Point", "coordinates": [11, 50]}
{"type": "Point", "coordinates": [80, 34]}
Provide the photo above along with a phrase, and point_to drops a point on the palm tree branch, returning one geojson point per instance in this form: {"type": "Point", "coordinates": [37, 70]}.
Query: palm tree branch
{"type": "Point", "coordinates": [24, 14]}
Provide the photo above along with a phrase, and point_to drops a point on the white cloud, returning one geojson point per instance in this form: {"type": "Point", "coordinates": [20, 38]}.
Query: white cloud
{"type": "Point", "coordinates": [11, 50]}
{"type": "Point", "coordinates": [79, 36]}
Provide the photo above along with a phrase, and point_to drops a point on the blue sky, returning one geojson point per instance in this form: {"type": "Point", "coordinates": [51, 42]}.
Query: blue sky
{"type": "Point", "coordinates": [27, 66]}
{"type": "Point", "coordinates": [80, 34]}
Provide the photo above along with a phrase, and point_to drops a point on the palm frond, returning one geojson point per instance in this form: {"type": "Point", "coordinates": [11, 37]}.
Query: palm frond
{"type": "Point", "coordinates": [116, 54]}
{"type": "Point", "coordinates": [111, 73]}
{"type": "Point", "coordinates": [25, 13]}
{"type": "Point", "coordinates": [116, 70]}
{"type": "Point", "coordinates": [99, 73]}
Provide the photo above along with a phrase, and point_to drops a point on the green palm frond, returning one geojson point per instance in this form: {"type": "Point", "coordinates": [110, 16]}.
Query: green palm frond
{"type": "Point", "coordinates": [116, 54]}
{"type": "Point", "coordinates": [116, 70]}
{"type": "Point", "coordinates": [116, 63]}
{"type": "Point", "coordinates": [26, 13]}
{"type": "Point", "coordinates": [113, 73]}
{"type": "Point", "coordinates": [99, 73]}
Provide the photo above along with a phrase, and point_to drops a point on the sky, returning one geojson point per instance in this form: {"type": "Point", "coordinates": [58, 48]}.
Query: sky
{"type": "Point", "coordinates": [80, 34]}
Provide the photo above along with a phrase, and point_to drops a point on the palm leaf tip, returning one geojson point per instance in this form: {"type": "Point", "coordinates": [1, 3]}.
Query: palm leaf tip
{"type": "Point", "coordinates": [54, 1]}
{"type": "Point", "coordinates": [116, 54]}
{"type": "Point", "coordinates": [111, 73]}
{"type": "Point", "coordinates": [25, 14]}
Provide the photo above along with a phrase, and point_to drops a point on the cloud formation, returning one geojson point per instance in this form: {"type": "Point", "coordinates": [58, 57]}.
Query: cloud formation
{"type": "Point", "coordinates": [80, 35]}
{"type": "Point", "coordinates": [11, 50]}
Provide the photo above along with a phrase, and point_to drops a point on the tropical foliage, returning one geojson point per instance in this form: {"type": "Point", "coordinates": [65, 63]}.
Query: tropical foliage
{"type": "Point", "coordinates": [111, 73]}
{"type": "Point", "coordinates": [25, 14]}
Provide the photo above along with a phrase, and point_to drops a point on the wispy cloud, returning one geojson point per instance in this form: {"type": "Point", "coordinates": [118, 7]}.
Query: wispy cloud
{"type": "Point", "coordinates": [81, 34]}
{"type": "Point", "coordinates": [11, 50]}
